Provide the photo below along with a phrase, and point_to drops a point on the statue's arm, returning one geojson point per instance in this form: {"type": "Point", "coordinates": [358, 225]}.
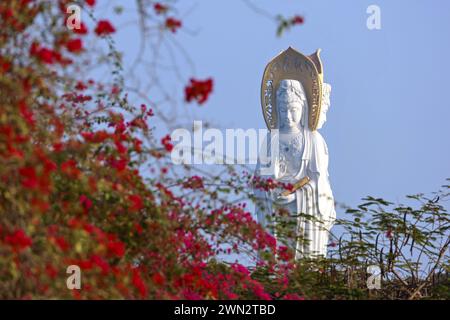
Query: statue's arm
{"type": "Point", "coordinates": [319, 173]}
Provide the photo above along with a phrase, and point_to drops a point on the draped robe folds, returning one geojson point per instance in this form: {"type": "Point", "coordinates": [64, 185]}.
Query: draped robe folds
{"type": "Point", "coordinates": [311, 208]}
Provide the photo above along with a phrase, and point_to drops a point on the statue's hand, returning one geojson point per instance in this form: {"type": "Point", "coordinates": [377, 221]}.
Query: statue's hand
{"type": "Point", "coordinates": [283, 199]}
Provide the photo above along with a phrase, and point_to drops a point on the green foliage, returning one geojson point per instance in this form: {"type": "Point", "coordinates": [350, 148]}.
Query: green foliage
{"type": "Point", "coordinates": [408, 243]}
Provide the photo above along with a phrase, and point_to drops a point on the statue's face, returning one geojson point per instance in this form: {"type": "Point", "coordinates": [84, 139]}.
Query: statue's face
{"type": "Point", "coordinates": [290, 112]}
{"type": "Point", "coordinates": [291, 102]}
{"type": "Point", "coordinates": [322, 117]}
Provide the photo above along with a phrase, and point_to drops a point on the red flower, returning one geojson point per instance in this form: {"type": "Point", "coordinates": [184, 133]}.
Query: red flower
{"type": "Point", "coordinates": [47, 55]}
{"type": "Point", "coordinates": [40, 205]}
{"type": "Point", "coordinates": [80, 86]}
{"type": "Point", "coordinates": [117, 248]}
{"type": "Point", "coordinates": [239, 268]}
{"type": "Point", "coordinates": [101, 263]}
{"type": "Point", "coordinates": [58, 147]}
{"type": "Point", "coordinates": [138, 228]}
{"type": "Point", "coordinates": [29, 177]}
{"type": "Point", "coordinates": [158, 279]}
{"type": "Point", "coordinates": [62, 243]}
{"type": "Point", "coordinates": [85, 202]}
{"type": "Point", "coordinates": [284, 253]}
{"type": "Point", "coordinates": [18, 240]}
{"type": "Point", "coordinates": [5, 65]}
{"type": "Point", "coordinates": [115, 90]}
{"type": "Point", "coordinates": [104, 27]}
{"type": "Point", "coordinates": [198, 90]}
{"type": "Point", "coordinates": [51, 271]}
{"type": "Point", "coordinates": [120, 164]}
{"type": "Point", "coordinates": [95, 137]}
{"type": "Point", "coordinates": [69, 167]}
{"type": "Point", "coordinates": [258, 290]}
{"type": "Point", "coordinates": [49, 165]}
{"type": "Point", "coordinates": [81, 30]}
{"type": "Point", "coordinates": [292, 296]}
{"type": "Point", "coordinates": [173, 24]}
{"type": "Point", "coordinates": [297, 20]}
{"type": "Point", "coordinates": [160, 8]}
{"type": "Point", "coordinates": [137, 145]}
{"type": "Point", "coordinates": [26, 113]}
{"type": "Point", "coordinates": [120, 147]}
{"type": "Point", "coordinates": [136, 202]}
{"type": "Point", "coordinates": [75, 45]}
{"type": "Point", "coordinates": [166, 142]}
{"type": "Point", "coordinates": [139, 283]}
{"type": "Point", "coordinates": [43, 54]}
{"type": "Point", "coordinates": [90, 2]}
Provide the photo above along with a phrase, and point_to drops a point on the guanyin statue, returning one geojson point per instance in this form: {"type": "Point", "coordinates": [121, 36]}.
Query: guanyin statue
{"type": "Point", "coordinates": [295, 101]}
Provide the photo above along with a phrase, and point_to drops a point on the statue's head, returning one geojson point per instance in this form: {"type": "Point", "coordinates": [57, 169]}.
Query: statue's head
{"type": "Point", "coordinates": [291, 104]}
{"type": "Point", "coordinates": [326, 89]}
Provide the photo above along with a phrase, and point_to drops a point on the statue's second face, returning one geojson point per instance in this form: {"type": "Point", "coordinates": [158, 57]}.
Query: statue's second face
{"type": "Point", "coordinates": [325, 105]}
{"type": "Point", "coordinates": [322, 117]}
{"type": "Point", "coordinates": [290, 104]}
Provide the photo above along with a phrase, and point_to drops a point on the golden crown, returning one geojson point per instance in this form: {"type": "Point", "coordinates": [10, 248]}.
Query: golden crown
{"type": "Point", "coordinates": [291, 64]}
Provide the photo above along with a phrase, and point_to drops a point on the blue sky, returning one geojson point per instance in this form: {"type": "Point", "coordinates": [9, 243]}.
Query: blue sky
{"type": "Point", "coordinates": [388, 125]}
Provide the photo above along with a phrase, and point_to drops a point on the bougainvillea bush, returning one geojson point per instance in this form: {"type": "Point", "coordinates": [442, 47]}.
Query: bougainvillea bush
{"type": "Point", "coordinates": [72, 188]}
{"type": "Point", "coordinates": [85, 181]}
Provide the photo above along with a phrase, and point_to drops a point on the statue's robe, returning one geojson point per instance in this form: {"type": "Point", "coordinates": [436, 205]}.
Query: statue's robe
{"type": "Point", "coordinates": [311, 208]}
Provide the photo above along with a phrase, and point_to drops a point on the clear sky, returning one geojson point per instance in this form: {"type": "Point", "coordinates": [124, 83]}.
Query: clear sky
{"type": "Point", "coordinates": [388, 126]}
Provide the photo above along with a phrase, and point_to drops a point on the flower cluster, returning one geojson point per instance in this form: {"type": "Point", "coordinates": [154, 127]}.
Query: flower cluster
{"type": "Point", "coordinates": [104, 27]}
{"type": "Point", "coordinates": [74, 185]}
{"type": "Point", "coordinates": [173, 24]}
{"type": "Point", "coordinates": [198, 90]}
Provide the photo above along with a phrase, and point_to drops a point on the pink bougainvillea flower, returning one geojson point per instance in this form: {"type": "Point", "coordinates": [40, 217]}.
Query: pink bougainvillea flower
{"type": "Point", "coordinates": [292, 296]}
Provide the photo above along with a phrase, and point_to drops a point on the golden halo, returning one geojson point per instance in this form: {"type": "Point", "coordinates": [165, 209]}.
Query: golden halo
{"type": "Point", "coordinates": [291, 64]}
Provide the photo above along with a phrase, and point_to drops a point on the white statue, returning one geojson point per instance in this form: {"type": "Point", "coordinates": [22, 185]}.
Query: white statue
{"type": "Point", "coordinates": [292, 92]}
